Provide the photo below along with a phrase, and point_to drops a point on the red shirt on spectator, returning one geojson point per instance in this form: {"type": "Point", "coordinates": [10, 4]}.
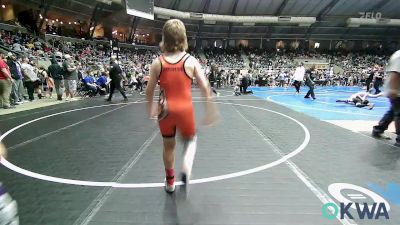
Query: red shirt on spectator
{"type": "Point", "coordinates": [3, 64]}
{"type": "Point", "coordinates": [46, 49]}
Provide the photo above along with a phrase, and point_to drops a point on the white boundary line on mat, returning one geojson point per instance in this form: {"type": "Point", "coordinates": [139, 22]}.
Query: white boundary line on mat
{"type": "Point", "coordinates": [25, 172]}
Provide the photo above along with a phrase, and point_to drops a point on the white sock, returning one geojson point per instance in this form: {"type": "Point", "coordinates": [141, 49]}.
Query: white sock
{"type": "Point", "coordinates": [190, 148]}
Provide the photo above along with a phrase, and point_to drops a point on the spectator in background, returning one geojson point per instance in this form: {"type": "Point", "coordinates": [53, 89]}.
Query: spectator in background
{"type": "Point", "coordinates": [281, 78]}
{"type": "Point", "coordinates": [378, 79]}
{"type": "Point", "coordinates": [44, 77]}
{"type": "Point", "coordinates": [6, 82]}
{"type": "Point", "coordinates": [101, 82]}
{"type": "Point", "coordinates": [17, 92]}
{"type": "Point", "coordinates": [244, 84]}
{"type": "Point", "coordinates": [91, 86]}
{"type": "Point", "coordinates": [212, 78]}
{"type": "Point", "coordinates": [116, 78]}
{"type": "Point", "coordinates": [31, 78]}
{"type": "Point", "coordinates": [47, 48]}
{"type": "Point", "coordinates": [80, 71]}
{"type": "Point", "coordinates": [56, 73]}
{"type": "Point", "coordinates": [310, 82]}
{"type": "Point", "coordinates": [37, 44]}
{"type": "Point", "coordinates": [70, 77]}
{"type": "Point", "coordinates": [17, 47]}
{"type": "Point", "coordinates": [369, 79]}
{"type": "Point", "coordinates": [58, 55]}
{"type": "Point", "coordinates": [30, 45]}
{"type": "Point", "coordinates": [236, 90]}
{"type": "Point", "coordinates": [298, 77]}
{"type": "Point", "coordinates": [219, 78]}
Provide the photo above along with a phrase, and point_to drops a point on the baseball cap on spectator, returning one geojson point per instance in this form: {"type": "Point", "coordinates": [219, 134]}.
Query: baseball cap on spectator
{"type": "Point", "coordinates": [66, 56]}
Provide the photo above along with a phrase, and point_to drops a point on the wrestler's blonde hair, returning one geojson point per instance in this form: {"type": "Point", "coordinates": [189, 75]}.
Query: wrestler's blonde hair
{"type": "Point", "coordinates": [174, 36]}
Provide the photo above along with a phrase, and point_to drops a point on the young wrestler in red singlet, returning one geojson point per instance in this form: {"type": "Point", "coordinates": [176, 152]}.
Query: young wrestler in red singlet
{"type": "Point", "coordinates": [175, 70]}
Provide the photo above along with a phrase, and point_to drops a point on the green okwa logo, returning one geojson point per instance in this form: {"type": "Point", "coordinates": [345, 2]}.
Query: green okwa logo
{"type": "Point", "coordinates": [353, 203]}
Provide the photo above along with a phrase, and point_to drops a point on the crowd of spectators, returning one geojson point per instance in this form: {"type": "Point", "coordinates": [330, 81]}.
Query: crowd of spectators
{"type": "Point", "coordinates": [261, 59]}
{"type": "Point", "coordinates": [34, 68]}
{"type": "Point", "coordinates": [346, 70]}
{"type": "Point", "coordinates": [230, 57]}
{"type": "Point", "coordinates": [24, 43]}
{"type": "Point", "coordinates": [87, 63]}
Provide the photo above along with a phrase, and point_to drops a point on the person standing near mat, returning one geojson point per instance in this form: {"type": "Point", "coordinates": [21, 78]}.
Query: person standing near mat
{"type": "Point", "coordinates": [392, 90]}
{"type": "Point", "coordinates": [310, 82]}
{"type": "Point", "coordinates": [244, 83]}
{"type": "Point", "coordinates": [212, 77]}
{"type": "Point", "coordinates": [298, 77]}
{"type": "Point", "coordinates": [378, 79]}
{"type": "Point", "coordinates": [17, 92]}
{"type": "Point", "coordinates": [31, 79]}
{"type": "Point", "coordinates": [6, 83]}
{"type": "Point", "coordinates": [175, 69]}
{"type": "Point", "coordinates": [116, 78]}
{"type": "Point", "coordinates": [369, 80]}
{"type": "Point", "coordinates": [56, 72]}
{"type": "Point", "coordinates": [70, 77]}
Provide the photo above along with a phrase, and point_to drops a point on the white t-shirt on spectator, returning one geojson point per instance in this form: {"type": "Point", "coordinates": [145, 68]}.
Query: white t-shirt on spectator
{"type": "Point", "coordinates": [393, 66]}
{"type": "Point", "coordinates": [299, 73]}
{"type": "Point", "coordinates": [17, 47]}
{"type": "Point", "coordinates": [282, 76]}
{"type": "Point", "coordinates": [37, 44]}
{"type": "Point", "coordinates": [29, 71]}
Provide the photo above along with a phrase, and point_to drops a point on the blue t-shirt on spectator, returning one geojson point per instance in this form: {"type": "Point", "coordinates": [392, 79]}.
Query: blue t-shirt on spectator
{"type": "Point", "coordinates": [101, 81]}
{"type": "Point", "coordinates": [88, 80]}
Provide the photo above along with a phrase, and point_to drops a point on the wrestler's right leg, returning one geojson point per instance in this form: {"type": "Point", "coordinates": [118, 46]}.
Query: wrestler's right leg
{"type": "Point", "coordinates": [168, 131]}
{"type": "Point", "coordinates": [169, 162]}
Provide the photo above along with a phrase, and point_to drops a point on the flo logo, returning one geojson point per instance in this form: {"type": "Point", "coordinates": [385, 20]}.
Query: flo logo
{"type": "Point", "coordinates": [365, 203]}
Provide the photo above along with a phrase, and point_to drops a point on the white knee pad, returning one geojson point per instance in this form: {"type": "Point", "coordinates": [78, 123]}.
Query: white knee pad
{"type": "Point", "coordinates": [8, 208]}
